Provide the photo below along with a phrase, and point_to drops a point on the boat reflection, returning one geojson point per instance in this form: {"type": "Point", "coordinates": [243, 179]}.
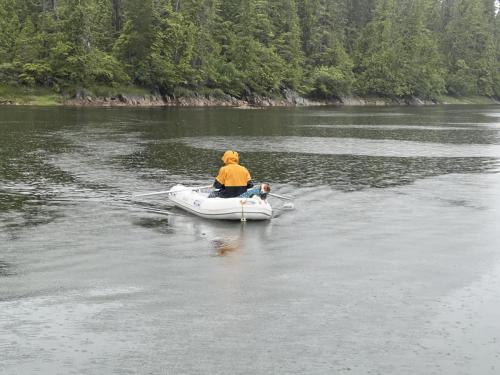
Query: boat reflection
{"type": "Point", "coordinates": [224, 237]}
{"type": "Point", "coordinates": [225, 246]}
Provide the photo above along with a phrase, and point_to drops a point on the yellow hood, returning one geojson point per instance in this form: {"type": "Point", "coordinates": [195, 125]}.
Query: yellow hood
{"type": "Point", "coordinates": [231, 157]}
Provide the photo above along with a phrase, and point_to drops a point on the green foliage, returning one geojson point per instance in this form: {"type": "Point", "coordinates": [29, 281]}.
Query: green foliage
{"type": "Point", "coordinates": [331, 82]}
{"type": "Point", "coordinates": [8, 73]}
{"type": "Point", "coordinates": [496, 72]}
{"type": "Point", "coordinates": [172, 51]}
{"type": "Point", "coordinates": [26, 47]}
{"type": "Point", "coordinates": [9, 27]}
{"type": "Point", "coordinates": [379, 56]}
{"type": "Point", "coordinates": [287, 40]}
{"type": "Point", "coordinates": [322, 48]}
{"type": "Point", "coordinates": [260, 67]}
{"type": "Point", "coordinates": [35, 73]}
{"type": "Point", "coordinates": [213, 34]}
{"type": "Point", "coordinates": [469, 48]}
{"type": "Point", "coordinates": [28, 95]}
{"type": "Point", "coordinates": [328, 65]}
{"type": "Point", "coordinates": [102, 32]}
{"type": "Point", "coordinates": [423, 66]}
{"type": "Point", "coordinates": [396, 54]}
{"type": "Point", "coordinates": [102, 68]}
{"type": "Point", "coordinates": [133, 46]}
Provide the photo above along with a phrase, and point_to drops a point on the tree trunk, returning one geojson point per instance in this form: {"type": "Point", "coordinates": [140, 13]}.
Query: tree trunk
{"type": "Point", "coordinates": [117, 15]}
{"type": "Point", "coordinates": [48, 5]}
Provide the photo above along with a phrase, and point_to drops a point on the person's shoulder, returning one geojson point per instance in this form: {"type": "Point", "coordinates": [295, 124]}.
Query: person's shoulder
{"type": "Point", "coordinates": [245, 170]}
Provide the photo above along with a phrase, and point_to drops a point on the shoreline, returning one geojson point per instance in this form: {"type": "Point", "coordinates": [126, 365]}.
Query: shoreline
{"type": "Point", "coordinates": [289, 99]}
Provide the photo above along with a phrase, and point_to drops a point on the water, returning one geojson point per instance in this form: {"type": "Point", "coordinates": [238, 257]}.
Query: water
{"type": "Point", "coordinates": [389, 263]}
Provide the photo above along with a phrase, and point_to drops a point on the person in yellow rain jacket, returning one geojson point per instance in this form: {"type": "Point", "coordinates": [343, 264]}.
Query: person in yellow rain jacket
{"type": "Point", "coordinates": [233, 179]}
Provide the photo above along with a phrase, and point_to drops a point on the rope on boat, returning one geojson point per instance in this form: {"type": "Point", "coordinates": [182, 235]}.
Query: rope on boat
{"type": "Point", "coordinates": [242, 202]}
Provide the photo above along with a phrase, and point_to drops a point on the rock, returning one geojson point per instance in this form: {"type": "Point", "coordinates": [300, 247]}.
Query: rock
{"type": "Point", "coordinates": [80, 94]}
{"type": "Point", "coordinates": [250, 100]}
{"type": "Point", "coordinates": [414, 101]}
{"type": "Point", "coordinates": [292, 97]}
{"type": "Point", "coordinates": [353, 101]}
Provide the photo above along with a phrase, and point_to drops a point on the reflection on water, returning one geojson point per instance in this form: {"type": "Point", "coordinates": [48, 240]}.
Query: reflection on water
{"type": "Point", "coordinates": [159, 224]}
{"type": "Point", "coordinates": [343, 171]}
{"type": "Point", "coordinates": [230, 242]}
{"type": "Point", "coordinates": [343, 146]}
{"type": "Point", "coordinates": [224, 247]}
{"type": "Point", "coordinates": [396, 209]}
{"type": "Point", "coordinates": [6, 269]}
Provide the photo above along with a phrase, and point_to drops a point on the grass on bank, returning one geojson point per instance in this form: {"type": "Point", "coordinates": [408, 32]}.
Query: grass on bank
{"type": "Point", "coordinates": [466, 100]}
{"type": "Point", "coordinates": [28, 95]}
{"type": "Point", "coordinates": [42, 96]}
{"type": "Point", "coordinates": [108, 91]}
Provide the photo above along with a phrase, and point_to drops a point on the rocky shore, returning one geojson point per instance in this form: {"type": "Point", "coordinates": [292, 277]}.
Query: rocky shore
{"type": "Point", "coordinates": [289, 99]}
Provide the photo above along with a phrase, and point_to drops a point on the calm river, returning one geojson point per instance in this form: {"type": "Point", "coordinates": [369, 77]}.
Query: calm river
{"type": "Point", "coordinates": [389, 263]}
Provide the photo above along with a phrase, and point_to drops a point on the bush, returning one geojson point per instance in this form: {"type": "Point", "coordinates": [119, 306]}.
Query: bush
{"type": "Point", "coordinates": [330, 82]}
{"type": "Point", "coordinates": [103, 68]}
{"type": "Point", "coordinates": [183, 92]}
{"type": "Point", "coordinates": [260, 68]}
{"type": "Point", "coordinates": [9, 74]}
{"type": "Point", "coordinates": [230, 79]}
{"type": "Point", "coordinates": [496, 84]}
{"type": "Point", "coordinates": [36, 74]}
{"type": "Point", "coordinates": [462, 81]}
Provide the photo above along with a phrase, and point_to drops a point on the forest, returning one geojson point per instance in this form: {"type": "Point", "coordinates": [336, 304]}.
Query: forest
{"type": "Point", "coordinates": [317, 48]}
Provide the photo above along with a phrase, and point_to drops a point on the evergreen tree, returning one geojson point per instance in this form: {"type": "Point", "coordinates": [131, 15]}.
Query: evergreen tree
{"type": "Point", "coordinates": [308, 16]}
{"type": "Point", "coordinates": [330, 67]}
{"type": "Point", "coordinates": [468, 47]}
{"type": "Point", "coordinates": [378, 55]}
{"type": "Point", "coordinates": [324, 48]}
{"type": "Point", "coordinates": [27, 57]}
{"type": "Point", "coordinates": [102, 27]}
{"type": "Point", "coordinates": [26, 48]}
{"type": "Point", "coordinates": [251, 51]}
{"type": "Point", "coordinates": [357, 13]}
{"type": "Point", "coordinates": [396, 54]}
{"type": "Point", "coordinates": [9, 28]}
{"type": "Point", "coordinates": [117, 15]}
{"type": "Point", "coordinates": [287, 40]}
{"type": "Point", "coordinates": [423, 66]}
{"type": "Point", "coordinates": [172, 51]}
{"type": "Point", "coordinates": [206, 20]}
{"type": "Point", "coordinates": [496, 73]}
{"type": "Point", "coordinates": [134, 46]}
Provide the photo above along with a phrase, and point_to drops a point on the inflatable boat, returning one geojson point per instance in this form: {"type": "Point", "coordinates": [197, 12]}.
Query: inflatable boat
{"type": "Point", "coordinates": [196, 201]}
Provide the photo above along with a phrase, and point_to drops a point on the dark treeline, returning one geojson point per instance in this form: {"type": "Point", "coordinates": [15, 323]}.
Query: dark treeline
{"type": "Point", "coordinates": [319, 48]}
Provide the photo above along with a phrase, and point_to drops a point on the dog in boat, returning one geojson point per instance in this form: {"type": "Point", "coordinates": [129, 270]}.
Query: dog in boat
{"type": "Point", "coordinates": [261, 191]}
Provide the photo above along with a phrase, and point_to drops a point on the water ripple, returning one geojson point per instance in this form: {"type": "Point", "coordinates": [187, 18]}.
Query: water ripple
{"type": "Point", "coordinates": [343, 146]}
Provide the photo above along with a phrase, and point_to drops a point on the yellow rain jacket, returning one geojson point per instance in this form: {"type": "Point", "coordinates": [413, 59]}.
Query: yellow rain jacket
{"type": "Point", "coordinates": [233, 179]}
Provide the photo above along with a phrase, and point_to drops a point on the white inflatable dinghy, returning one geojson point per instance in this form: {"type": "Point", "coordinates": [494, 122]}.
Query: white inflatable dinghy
{"type": "Point", "coordinates": [196, 201]}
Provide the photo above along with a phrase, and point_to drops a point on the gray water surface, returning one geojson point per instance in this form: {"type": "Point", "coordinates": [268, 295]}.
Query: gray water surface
{"type": "Point", "coordinates": [389, 263]}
